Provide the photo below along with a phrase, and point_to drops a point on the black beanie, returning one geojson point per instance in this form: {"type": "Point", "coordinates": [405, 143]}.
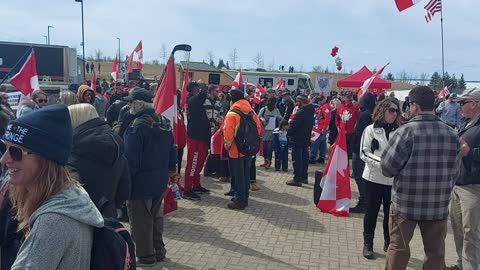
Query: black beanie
{"type": "Point", "coordinates": [236, 95]}
{"type": "Point", "coordinates": [46, 132]}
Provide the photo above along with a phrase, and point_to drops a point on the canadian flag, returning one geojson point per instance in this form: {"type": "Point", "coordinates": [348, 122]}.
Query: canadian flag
{"type": "Point", "coordinates": [139, 51]}
{"type": "Point", "coordinates": [115, 69]}
{"type": "Point", "coordinates": [316, 132]}
{"type": "Point", "coordinates": [259, 91]}
{"type": "Point", "coordinates": [26, 80]}
{"type": "Point", "coordinates": [293, 114]}
{"type": "Point", "coordinates": [186, 80]}
{"type": "Point", "coordinates": [93, 82]}
{"type": "Point", "coordinates": [444, 93]}
{"type": "Point", "coordinates": [165, 101]}
{"type": "Point", "coordinates": [404, 4]}
{"type": "Point", "coordinates": [238, 80]}
{"type": "Point", "coordinates": [336, 194]}
{"type": "Point", "coordinates": [130, 63]}
{"type": "Point", "coordinates": [366, 84]}
{"type": "Point", "coordinates": [280, 84]}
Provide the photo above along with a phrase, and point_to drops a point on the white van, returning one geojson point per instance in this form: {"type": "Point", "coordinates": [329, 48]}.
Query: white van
{"type": "Point", "coordinates": [293, 81]}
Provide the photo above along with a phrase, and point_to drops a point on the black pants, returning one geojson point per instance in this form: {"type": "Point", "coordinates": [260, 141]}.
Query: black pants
{"type": "Point", "coordinates": [350, 139]}
{"type": "Point", "coordinates": [253, 170]}
{"type": "Point", "coordinates": [300, 156]}
{"type": "Point", "coordinates": [180, 158]}
{"type": "Point", "coordinates": [376, 194]}
{"type": "Point", "coordinates": [357, 166]}
{"type": "Point", "coordinates": [240, 177]}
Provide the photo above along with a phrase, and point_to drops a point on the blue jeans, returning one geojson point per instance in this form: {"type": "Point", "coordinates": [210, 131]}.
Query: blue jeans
{"type": "Point", "coordinates": [281, 160]}
{"type": "Point", "coordinates": [240, 177]}
{"type": "Point", "coordinates": [300, 163]}
{"type": "Point", "coordinates": [268, 150]}
{"type": "Point", "coordinates": [357, 166]}
{"type": "Point", "coordinates": [319, 144]}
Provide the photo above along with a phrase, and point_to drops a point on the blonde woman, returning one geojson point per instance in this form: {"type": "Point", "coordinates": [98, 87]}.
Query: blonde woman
{"type": "Point", "coordinates": [36, 101]}
{"type": "Point", "coordinates": [98, 157]}
{"type": "Point", "coordinates": [53, 210]}
{"type": "Point", "coordinates": [378, 188]}
{"type": "Point", "coordinates": [68, 98]}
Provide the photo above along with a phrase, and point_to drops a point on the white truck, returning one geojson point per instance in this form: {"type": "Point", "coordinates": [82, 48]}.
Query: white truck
{"type": "Point", "coordinates": [267, 79]}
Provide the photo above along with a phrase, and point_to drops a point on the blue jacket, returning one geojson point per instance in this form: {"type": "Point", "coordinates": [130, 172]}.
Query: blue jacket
{"type": "Point", "coordinates": [147, 139]}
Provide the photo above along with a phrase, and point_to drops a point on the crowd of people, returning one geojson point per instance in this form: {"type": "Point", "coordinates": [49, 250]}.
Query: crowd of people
{"type": "Point", "coordinates": [107, 153]}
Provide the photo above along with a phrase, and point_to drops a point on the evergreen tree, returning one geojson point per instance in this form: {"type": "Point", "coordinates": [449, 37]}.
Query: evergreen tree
{"type": "Point", "coordinates": [212, 63]}
{"type": "Point", "coordinates": [435, 81]}
{"type": "Point", "coordinates": [461, 84]}
{"type": "Point", "coordinates": [228, 65]}
{"type": "Point", "coordinates": [454, 83]}
{"type": "Point", "coordinates": [447, 79]}
{"type": "Point", "coordinates": [221, 64]}
{"type": "Point", "coordinates": [390, 77]}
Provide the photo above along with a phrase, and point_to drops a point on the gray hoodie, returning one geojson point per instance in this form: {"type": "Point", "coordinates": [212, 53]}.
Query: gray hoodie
{"type": "Point", "coordinates": [61, 233]}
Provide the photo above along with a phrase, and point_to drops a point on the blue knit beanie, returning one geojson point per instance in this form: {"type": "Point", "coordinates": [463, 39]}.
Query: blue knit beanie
{"type": "Point", "coordinates": [47, 132]}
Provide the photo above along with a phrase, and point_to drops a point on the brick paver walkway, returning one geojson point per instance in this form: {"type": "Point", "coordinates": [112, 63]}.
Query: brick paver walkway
{"type": "Point", "coordinates": [281, 229]}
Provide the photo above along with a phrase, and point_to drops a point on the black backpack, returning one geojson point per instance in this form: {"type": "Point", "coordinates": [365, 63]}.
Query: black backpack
{"type": "Point", "coordinates": [247, 138]}
{"type": "Point", "coordinates": [113, 247]}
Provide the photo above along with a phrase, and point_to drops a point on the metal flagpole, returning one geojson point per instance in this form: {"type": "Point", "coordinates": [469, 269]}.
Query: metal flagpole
{"type": "Point", "coordinates": [443, 51]}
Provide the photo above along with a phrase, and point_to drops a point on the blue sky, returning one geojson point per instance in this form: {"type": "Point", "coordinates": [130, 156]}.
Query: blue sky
{"type": "Point", "coordinates": [290, 32]}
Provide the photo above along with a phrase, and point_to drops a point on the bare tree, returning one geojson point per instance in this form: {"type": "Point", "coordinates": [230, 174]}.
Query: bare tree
{"type": "Point", "coordinates": [233, 57]}
{"type": "Point", "coordinates": [403, 76]}
{"type": "Point", "coordinates": [258, 59]}
{"type": "Point", "coordinates": [300, 68]}
{"type": "Point", "coordinates": [271, 65]}
{"type": "Point", "coordinates": [155, 62]}
{"type": "Point", "coordinates": [163, 53]}
{"type": "Point", "coordinates": [210, 57]}
{"type": "Point", "coordinates": [98, 55]}
{"type": "Point", "coordinates": [317, 69]}
{"type": "Point", "coordinates": [425, 78]}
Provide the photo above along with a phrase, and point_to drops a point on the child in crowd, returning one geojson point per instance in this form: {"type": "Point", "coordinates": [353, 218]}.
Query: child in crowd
{"type": "Point", "coordinates": [280, 145]}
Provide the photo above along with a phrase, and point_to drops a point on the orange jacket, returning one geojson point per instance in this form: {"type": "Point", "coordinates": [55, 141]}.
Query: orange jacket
{"type": "Point", "coordinates": [231, 123]}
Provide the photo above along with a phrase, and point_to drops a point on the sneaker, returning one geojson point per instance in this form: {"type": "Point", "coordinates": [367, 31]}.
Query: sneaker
{"type": "Point", "coordinates": [277, 170]}
{"type": "Point", "coordinates": [201, 189]}
{"type": "Point", "coordinates": [146, 263]}
{"type": "Point", "coordinates": [236, 205]}
{"type": "Point", "coordinates": [312, 161]}
{"type": "Point", "coordinates": [230, 193]}
{"type": "Point", "coordinates": [321, 161]}
{"type": "Point", "coordinates": [160, 258]}
{"type": "Point", "coordinates": [254, 187]}
{"type": "Point", "coordinates": [359, 209]}
{"type": "Point", "coordinates": [191, 195]}
{"type": "Point", "coordinates": [453, 267]}
{"type": "Point", "coordinates": [293, 183]}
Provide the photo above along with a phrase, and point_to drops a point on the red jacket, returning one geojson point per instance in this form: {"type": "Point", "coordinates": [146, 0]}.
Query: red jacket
{"type": "Point", "coordinates": [348, 114]}
{"type": "Point", "coordinates": [180, 139]}
{"type": "Point", "coordinates": [323, 115]}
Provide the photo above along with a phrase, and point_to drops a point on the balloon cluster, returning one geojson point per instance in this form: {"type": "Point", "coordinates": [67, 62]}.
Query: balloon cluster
{"type": "Point", "coordinates": [338, 60]}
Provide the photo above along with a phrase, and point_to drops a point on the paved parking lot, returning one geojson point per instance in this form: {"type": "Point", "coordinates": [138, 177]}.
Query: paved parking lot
{"type": "Point", "coordinates": [281, 229]}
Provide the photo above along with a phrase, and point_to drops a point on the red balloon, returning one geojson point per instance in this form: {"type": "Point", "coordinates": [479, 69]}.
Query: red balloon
{"type": "Point", "coordinates": [339, 67]}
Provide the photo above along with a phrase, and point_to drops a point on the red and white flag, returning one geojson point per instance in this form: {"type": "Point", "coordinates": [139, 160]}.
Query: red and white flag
{"type": "Point", "coordinates": [404, 4]}
{"type": "Point", "coordinates": [336, 194]}
{"type": "Point", "coordinates": [130, 63]}
{"type": "Point", "coordinates": [432, 7]}
{"type": "Point", "coordinates": [139, 51]}
{"type": "Point", "coordinates": [280, 84]}
{"type": "Point", "coordinates": [257, 96]}
{"type": "Point", "coordinates": [165, 101]}
{"type": "Point", "coordinates": [26, 80]}
{"type": "Point", "coordinates": [186, 80]}
{"type": "Point", "coordinates": [293, 114]}
{"type": "Point", "coordinates": [115, 69]}
{"type": "Point", "coordinates": [238, 80]}
{"type": "Point", "coordinates": [366, 84]}
{"type": "Point", "coordinates": [316, 132]}
{"type": "Point", "coordinates": [93, 82]}
{"type": "Point", "coordinates": [444, 93]}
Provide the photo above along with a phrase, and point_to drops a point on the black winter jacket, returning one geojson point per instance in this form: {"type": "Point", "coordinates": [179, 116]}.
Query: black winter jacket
{"type": "Point", "coordinates": [471, 162]}
{"type": "Point", "coordinates": [113, 111]}
{"type": "Point", "coordinates": [367, 104]}
{"type": "Point", "coordinates": [198, 124]}
{"type": "Point", "coordinates": [98, 156]}
{"type": "Point", "coordinates": [151, 154]}
{"type": "Point", "coordinates": [300, 129]}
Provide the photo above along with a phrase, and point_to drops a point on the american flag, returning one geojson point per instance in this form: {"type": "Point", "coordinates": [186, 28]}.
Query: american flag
{"type": "Point", "coordinates": [432, 7]}
{"type": "Point", "coordinates": [444, 93]}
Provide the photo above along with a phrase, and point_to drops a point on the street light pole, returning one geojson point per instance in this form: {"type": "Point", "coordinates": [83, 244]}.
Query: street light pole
{"type": "Point", "coordinates": [119, 59]}
{"type": "Point", "coordinates": [48, 33]}
{"type": "Point", "coordinates": [83, 39]}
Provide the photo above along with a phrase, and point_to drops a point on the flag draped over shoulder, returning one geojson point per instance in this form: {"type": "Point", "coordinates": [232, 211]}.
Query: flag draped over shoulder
{"type": "Point", "coordinates": [26, 80]}
{"type": "Point", "coordinates": [336, 194]}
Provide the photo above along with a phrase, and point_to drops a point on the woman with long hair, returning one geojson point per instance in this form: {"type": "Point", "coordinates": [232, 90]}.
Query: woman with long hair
{"type": "Point", "coordinates": [98, 156]}
{"type": "Point", "coordinates": [67, 98]}
{"type": "Point", "coordinates": [53, 211]}
{"type": "Point", "coordinates": [378, 188]}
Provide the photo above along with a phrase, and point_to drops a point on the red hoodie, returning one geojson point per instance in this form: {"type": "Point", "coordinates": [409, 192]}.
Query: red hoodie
{"type": "Point", "coordinates": [349, 115]}
{"type": "Point", "coordinates": [323, 115]}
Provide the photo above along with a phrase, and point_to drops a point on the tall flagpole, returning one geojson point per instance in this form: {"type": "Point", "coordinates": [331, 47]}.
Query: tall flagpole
{"type": "Point", "coordinates": [443, 51]}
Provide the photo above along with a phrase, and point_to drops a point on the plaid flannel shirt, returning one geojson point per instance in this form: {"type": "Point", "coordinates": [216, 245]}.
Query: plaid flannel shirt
{"type": "Point", "coordinates": [421, 157]}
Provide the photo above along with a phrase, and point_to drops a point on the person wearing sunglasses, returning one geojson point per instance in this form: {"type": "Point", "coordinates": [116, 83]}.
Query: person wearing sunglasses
{"type": "Point", "coordinates": [85, 94]}
{"type": "Point", "coordinates": [377, 188]}
{"type": "Point", "coordinates": [38, 100]}
{"type": "Point", "coordinates": [53, 211]}
{"type": "Point", "coordinates": [465, 206]}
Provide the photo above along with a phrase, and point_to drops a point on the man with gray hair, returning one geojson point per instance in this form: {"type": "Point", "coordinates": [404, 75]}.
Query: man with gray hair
{"type": "Point", "coordinates": [147, 138]}
{"type": "Point", "coordinates": [465, 205]}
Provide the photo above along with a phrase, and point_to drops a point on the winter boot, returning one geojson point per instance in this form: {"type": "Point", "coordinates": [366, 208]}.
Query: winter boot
{"type": "Point", "coordinates": [368, 246]}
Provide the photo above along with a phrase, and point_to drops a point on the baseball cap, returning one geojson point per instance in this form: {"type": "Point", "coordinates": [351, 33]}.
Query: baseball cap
{"type": "Point", "coordinates": [470, 94]}
{"type": "Point", "coordinates": [140, 94]}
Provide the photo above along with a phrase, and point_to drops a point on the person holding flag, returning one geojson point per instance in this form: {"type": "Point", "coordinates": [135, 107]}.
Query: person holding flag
{"type": "Point", "coordinates": [322, 119]}
{"type": "Point", "coordinates": [348, 114]}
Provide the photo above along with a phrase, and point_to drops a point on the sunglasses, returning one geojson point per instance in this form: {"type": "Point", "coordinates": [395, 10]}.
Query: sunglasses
{"type": "Point", "coordinates": [16, 153]}
{"type": "Point", "coordinates": [42, 100]}
{"type": "Point", "coordinates": [464, 102]}
{"type": "Point", "coordinates": [393, 110]}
